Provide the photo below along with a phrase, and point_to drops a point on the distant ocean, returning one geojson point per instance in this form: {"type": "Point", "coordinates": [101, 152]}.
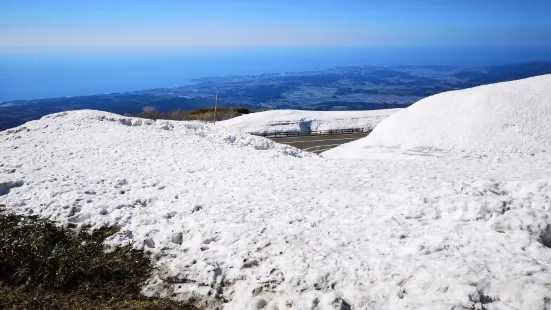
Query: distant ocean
{"type": "Point", "coordinates": [32, 75]}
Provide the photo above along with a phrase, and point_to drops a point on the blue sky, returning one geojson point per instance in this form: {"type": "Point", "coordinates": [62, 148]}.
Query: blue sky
{"type": "Point", "coordinates": [181, 24]}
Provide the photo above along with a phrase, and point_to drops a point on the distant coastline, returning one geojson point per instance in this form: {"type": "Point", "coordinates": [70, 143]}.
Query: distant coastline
{"type": "Point", "coordinates": [30, 74]}
{"type": "Point", "coordinates": [336, 88]}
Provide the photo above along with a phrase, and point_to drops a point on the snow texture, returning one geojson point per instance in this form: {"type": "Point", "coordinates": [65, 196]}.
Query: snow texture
{"type": "Point", "coordinates": [240, 222]}
{"type": "Point", "coordinates": [486, 120]}
{"type": "Point", "coordinates": [278, 121]}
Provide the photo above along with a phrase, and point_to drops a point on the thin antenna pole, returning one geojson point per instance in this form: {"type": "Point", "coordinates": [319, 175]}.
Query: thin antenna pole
{"type": "Point", "coordinates": [215, 107]}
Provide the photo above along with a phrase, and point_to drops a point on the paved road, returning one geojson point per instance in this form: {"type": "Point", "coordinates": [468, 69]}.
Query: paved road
{"type": "Point", "coordinates": [318, 144]}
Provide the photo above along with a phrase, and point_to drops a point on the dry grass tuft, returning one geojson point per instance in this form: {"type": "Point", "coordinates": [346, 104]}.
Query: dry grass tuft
{"type": "Point", "coordinates": [43, 266]}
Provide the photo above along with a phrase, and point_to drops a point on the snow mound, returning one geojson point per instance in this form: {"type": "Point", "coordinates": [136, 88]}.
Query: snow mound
{"type": "Point", "coordinates": [195, 132]}
{"type": "Point", "coordinates": [509, 117]}
{"type": "Point", "coordinates": [305, 121]}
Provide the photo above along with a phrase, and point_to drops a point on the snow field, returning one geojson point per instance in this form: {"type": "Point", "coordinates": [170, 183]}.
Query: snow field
{"type": "Point", "coordinates": [240, 222]}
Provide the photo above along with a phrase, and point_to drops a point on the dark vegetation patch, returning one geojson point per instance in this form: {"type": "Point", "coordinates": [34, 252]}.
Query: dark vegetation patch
{"type": "Point", "coordinates": [43, 266]}
{"type": "Point", "coordinates": [201, 114]}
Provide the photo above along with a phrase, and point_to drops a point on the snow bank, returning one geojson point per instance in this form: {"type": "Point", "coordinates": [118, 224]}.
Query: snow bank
{"type": "Point", "coordinates": [240, 222]}
{"type": "Point", "coordinates": [306, 121]}
{"type": "Point", "coordinates": [509, 117]}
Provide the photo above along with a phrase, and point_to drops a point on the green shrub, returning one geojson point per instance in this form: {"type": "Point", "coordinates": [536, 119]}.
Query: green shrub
{"type": "Point", "coordinates": [36, 253]}
{"type": "Point", "coordinates": [43, 266]}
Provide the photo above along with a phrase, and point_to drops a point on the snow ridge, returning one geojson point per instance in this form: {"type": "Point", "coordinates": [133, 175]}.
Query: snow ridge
{"type": "Point", "coordinates": [304, 122]}
{"type": "Point", "coordinates": [502, 118]}
{"type": "Point", "coordinates": [89, 118]}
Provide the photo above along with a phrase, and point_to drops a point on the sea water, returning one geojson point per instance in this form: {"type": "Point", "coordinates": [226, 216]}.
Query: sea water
{"type": "Point", "coordinates": [28, 74]}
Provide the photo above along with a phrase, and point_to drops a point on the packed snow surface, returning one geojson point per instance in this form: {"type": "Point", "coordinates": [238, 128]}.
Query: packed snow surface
{"type": "Point", "coordinates": [277, 121]}
{"type": "Point", "coordinates": [486, 120]}
{"type": "Point", "coordinates": [240, 222]}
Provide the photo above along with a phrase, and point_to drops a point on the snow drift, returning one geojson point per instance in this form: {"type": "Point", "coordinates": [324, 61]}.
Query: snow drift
{"type": "Point", "coordinates": [509, 117]}
{"type": "Point", "coordinates": [239, 222]}
{"type": "Point", "coordinates": [305, 121]}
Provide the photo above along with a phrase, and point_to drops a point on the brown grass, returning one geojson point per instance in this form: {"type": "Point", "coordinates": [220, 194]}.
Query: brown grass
{"type": "Point", "coordinates": [202, 114]}
{"type": "Point", "coordinates": [20, 298]}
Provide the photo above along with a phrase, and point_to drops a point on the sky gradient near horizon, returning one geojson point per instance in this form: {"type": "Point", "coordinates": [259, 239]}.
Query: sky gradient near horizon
{"type": "Point", "coordinates": [173, 24]}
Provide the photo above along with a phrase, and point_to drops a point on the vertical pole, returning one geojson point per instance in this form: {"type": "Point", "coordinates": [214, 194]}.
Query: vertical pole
{"type": "Point", "coordinates": [215, 107]}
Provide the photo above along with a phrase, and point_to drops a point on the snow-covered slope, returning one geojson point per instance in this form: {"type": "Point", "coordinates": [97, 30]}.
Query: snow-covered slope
{"type": "Point", "coordinates": [243, 223]}
{"type": "Point", "coordinates": [305, 121]}
{"type": "Point", "coordinates": [491, 119]}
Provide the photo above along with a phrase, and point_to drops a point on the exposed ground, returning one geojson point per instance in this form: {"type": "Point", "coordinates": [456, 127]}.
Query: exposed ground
{"type": "Point", "coordinates": [17, 298]}
{"type": "Point", "coordinates": [319, 143]}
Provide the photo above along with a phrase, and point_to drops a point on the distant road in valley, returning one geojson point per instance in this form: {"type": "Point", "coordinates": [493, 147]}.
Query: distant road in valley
{"type": "Point", "coordinates": [319, 143]}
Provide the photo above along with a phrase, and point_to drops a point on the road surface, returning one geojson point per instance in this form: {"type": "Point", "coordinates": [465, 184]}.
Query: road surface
{"type": "Point", "coordinates": [319, 143]}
